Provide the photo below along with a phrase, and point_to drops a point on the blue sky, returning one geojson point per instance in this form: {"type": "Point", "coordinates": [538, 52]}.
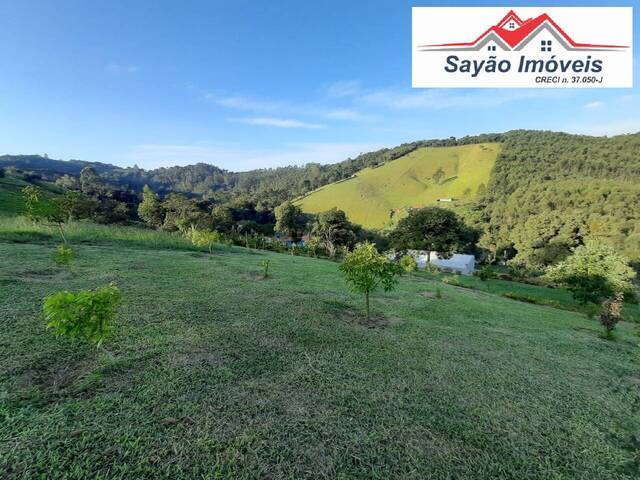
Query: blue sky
{"type": "Point", "coordinates": [250, 84]}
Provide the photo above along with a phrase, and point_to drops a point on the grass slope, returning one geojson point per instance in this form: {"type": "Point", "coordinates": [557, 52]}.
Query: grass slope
{"type": "Point", "coordinates": [219, 374]}
{"type": "Point", "coordinates": [11, 201]}
{"type": "Point", "coordinates": [371, 196]}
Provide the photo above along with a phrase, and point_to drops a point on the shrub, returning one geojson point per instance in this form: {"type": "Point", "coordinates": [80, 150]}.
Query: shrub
{"type": "Point", "coordinates": [438, 292]}
{"type": "Point", "coordinates": [611, 313]}
{"type": "Point", "coordinates": [265, 264]}
{"type": "Point", "coordinates": [204, 238]}
{"type": "Point", "coordinates": [63, 254]}
{"type": "Point", "coordinates": [431, 268]}
{"type": "Point", "coordinates": [593, 272]}
{"type": "Point", "coordinates": [40, 209]}
{"type": "Point", "coordinates": [314, 246]}
{"type": "Point", "coordinates": [484, 274]}
{"type": "Point", "coordinates": [408, 263]}
{"type": "Point", "coordinates": [86, 314]}
{"type": "Point", "coordinates": [365, 269]}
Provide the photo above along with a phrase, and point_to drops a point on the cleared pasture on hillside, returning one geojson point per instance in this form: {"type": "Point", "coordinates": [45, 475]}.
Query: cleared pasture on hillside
{"type": "Point", "coordinates": [414, 180]}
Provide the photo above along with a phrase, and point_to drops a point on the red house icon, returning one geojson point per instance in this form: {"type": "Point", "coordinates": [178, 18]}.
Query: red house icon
{"type": "Point", "coordinates": [512, 33]}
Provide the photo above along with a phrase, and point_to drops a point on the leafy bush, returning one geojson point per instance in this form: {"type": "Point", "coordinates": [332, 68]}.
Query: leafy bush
{"type": "Point", "coordinates": [40, 209]}
{"type": "Point", "coordinates": [204, 238]}
{"type": "Point", "coordinates": [408, 263]}
{"type": "Point", "coordinates": [431, 268]}
{"type": "Point", "coordinates": [265, 264]}
{"type": "Point", "coordinates": [611, 313]}
{"type": "Point", "coordinates": [365, 269]}
{"type": "Point", "coordinates": [593, 272]}
{"type": "Point", "coordinates": [314, 246]}
{"type": "Point", "coordinates": [484, 274]}
{"type": "Point", "coordinates": [63, 254]}
{"type": "Point", "coordinates": [86, 314]}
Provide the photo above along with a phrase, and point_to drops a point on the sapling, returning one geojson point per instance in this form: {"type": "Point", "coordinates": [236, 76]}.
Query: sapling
{"type": "Point", "coordinates": [265, 264]}
{"type": "Point", "coordinates": [52, 212]}
{"type": "Point", "coordinates": [365, 269]}
{"type": "Point", "coordinates": [204, 238]}
{"type": "Point", "coordinates": [408, 263]}
{"type": "Point", "coordinates": [611, 313]}
{"type": "Point", "coordinates": [63, 254]}
{"type": "Point", "coordinates": [86, 314]}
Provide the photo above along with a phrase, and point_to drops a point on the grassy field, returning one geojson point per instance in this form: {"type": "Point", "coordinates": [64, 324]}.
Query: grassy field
{"type": "Point", "coordinates": [541, 295]}
{"type": "Point", "coordinates": [11, 202]}
{"type": "Point", "coordinates": [216, 373]}
{"type": "Point", "coordinates": [21, 230]}
{"type": "Point", "coordinates": [371, 196]}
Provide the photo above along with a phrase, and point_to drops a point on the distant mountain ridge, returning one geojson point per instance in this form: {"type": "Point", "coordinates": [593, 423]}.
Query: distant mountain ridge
{"type": "Point", "coordinates": [546, 191]}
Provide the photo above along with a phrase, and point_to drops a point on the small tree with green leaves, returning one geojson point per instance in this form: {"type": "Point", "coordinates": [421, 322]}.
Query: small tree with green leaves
{"type": "Point", "coordinates": [408, 263]}
{"type": "Point", "coordinates": [290, 220]}
{"type": "Point", "coordinates": [365, 269]}
{"type": "Point", "coordinates": [150, 209]}
{"type": "Point", "coordinates": [204, 238]}
{"type": "Point", "coordinates": [265, 264]}
{"type": "Point", "coordinates": [63, 254]}
{"type": "Point", "coordinates": [611, 313]}
{"type": "Point", "coordinates": [86, 314]}
{"type": "Point", "coordinates": [40, 209]}
{"type": "Point", "coordinates": [314, 246]}
{"type": "Point", "coordinates": [592, 273]}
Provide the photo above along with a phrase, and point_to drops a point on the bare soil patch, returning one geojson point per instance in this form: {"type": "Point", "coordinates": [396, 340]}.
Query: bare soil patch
{"type": "Point", "coordinates": [427, 294]}
{"type": "Point", "coordinates": [376, 320]}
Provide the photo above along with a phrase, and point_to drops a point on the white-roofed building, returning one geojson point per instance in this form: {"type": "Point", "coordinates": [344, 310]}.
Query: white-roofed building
{"type": "Point", "coordinates": [458, 262]}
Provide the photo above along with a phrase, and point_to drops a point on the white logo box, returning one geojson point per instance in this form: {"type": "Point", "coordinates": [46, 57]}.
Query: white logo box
{"type": "Point", "coordinates": [522, 47]}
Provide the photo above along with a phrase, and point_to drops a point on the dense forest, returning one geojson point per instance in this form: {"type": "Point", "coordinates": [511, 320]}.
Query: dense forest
{"type": "Point", "coordinates": [548, 192]}
{"type": "Point", "coordinates": [551, 191]}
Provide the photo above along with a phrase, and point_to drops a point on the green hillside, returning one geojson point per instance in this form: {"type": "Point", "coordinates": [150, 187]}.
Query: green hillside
{"type": "Point", "coordinates": [11, 201]}
{"type": "Point", "coordinates": [239, 377]}
{"type": "Point", "coordinates": [377, 197]}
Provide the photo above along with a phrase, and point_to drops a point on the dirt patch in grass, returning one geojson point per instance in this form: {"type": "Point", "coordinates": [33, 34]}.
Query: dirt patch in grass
{"type": "Point", "coordinates": [44, 275]}
{"type": "Point", "coordinates": [376, 320]}
{"type": "Point", "coordinates": [256, 276]}
{"type": "Point", "coordinates": [427, 294]}
{"type": "Point", "coordinates": [56, 379]}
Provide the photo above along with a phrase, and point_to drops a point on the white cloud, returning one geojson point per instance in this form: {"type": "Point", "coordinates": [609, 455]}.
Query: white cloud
{"type": "Point", "coordinates": [244, 103]}
{"type": "Point", "coordinates": [345, 88]}
{"type": "Point", "coordinates": [349, 114]}
{"type": "Point", "coordinates": [611, 128]}
{"type": "Point", "coordinates": [321, 108]}
{"type": "Point", "coordinates": [596, 104]}
{"type": "Point", "coordinates": [238, 159]}
{"type": "Point", "coordinates": [118, 68]}
{"type": "Point", "coordinates": [277, 122]}
{"type": "Point", "coordinates": [443, 99]}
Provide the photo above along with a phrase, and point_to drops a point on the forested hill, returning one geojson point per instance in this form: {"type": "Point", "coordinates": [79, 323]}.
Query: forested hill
{"type": "Point", "coordinates": [211, 181]}
{"type": "Point", "coordinates": [550, 191]}
{"type": "Point", "coordinates": [546, 192]}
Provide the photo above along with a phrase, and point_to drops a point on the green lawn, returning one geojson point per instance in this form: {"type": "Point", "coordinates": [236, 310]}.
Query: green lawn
{"type": "Point", "coordinates": [554, 297]}
{"type": "Point", "coordinates": [216, 373]}
{"type": "Point", "coordinates": [409, 181]}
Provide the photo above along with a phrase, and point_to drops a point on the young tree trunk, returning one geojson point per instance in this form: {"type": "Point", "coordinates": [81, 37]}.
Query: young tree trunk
{"type": "Point", "coordinates": [61, 230]}
{"type": "Point", "coordinates": [366, 296]}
